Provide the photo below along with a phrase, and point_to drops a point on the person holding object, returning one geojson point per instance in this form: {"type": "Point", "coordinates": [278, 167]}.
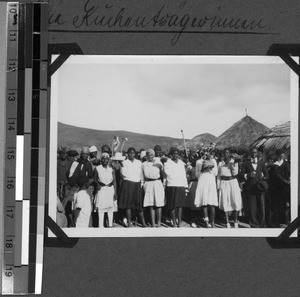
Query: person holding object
{"type": "Point", "coordinates": [176, 186]}
{"type": "Point", "coordinates": [154, 191]}
{"type": "Point", "coordinates": [130, 197]}
{"type": "Point", "coordinates": [230, 198]}
{"type": "Point", "coordinates": [255, 171]}
{"type": "Point", "coordinates": [106, 197]}
{"type": "Point", "coordinates": [206, 193]}
{"type": "Point", "coordinates": [82, 206]}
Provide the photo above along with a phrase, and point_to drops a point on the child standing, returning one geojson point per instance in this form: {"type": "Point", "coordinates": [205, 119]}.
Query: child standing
{"type": "Point", "coordinates": [82, 204]}
{"type": "Point", "coordinates": [106, 197]}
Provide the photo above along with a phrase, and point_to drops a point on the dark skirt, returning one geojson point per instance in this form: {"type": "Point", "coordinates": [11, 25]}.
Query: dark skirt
{"type": "Point", "coordinates": [175, 197]}
{"type": "Point", "coordinates": [130, 195]}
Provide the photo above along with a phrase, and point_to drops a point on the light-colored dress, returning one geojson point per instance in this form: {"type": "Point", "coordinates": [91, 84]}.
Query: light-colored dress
{"type": "Point", "coordinates": [206, 192]}
{"type": "Point", "coordinates": [229, 191]}
{"type": "Point", "coordinates": [154, 190]}
{"type": "Point", "coordinates": [83, 202]}
{"type": "Point", "coordinates": [104, 199]}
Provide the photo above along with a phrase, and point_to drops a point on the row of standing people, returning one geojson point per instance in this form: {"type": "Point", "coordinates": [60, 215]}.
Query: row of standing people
{"type": "Point", "coordinates": [155, 184]}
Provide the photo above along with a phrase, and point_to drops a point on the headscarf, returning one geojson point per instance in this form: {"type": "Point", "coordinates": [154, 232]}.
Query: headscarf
{"type": "Point", "coordinates": [150, 151]}
{"type": "Point", "coordinates": [104, 155]}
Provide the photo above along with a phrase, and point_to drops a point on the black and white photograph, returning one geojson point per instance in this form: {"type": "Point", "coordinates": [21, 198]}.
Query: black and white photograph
{"type": "Point", "coordinates": [173, 146]}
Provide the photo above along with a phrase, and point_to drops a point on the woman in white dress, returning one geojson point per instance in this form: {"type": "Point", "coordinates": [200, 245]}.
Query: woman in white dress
{"type": "Point", "coordinates": [206, 193]}
{"type": "Point", "coordinates": [230, 198]}
{"type": "Point", "coordinates": [106, 198]}
{"type": "Point", "coordinates": [154, 191]}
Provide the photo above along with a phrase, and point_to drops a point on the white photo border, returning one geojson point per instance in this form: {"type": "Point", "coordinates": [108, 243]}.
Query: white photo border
{"type": "Point", "coordinates": [173, 232]}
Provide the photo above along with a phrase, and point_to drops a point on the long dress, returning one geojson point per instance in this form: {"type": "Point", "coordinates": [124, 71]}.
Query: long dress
{"type": "Point", "coordinates": [230, 197]}
{"type": "Point", "coordinates": [206, 193]}
{"type": "Point", "coordinates": [153, 187]}
{"type": "Point", "coordinates": [104, 199]}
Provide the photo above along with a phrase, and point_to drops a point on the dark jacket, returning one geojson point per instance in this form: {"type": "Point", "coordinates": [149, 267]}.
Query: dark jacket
{"type": "Point", "coordinates": [261, 172]}
{"type": "Point", "coordinates": [84, 167]}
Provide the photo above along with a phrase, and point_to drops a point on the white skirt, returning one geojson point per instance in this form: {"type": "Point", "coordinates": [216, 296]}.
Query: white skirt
{"type": "Point", "coordinates": [206, 193]}
{"type": "Point", "coordinates": [104, 199]}
{"type": "Point", "coordinates": [154, 193]}
{"type": "Point", "coordinates": [230, 197]}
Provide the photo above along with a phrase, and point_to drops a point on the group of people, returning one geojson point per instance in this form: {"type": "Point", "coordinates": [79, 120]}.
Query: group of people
{"type": "Point", "coordinates": [152, 187]}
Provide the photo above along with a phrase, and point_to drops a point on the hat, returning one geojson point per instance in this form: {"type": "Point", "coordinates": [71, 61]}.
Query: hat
{"type": "Point", "coordinates": [72, 153]}
{"type": "Point", "coordinates": [150, 151]}
{"type": "Point", "coordinates": [157, 148]}
{"type": "Point", "coordinates": [262, 185]}
{"type": "Point", "coordinates": [93, 149]}
{"type": "Point", "coordinates": [85, 150]}
{"type": "Point", "coordinates": [173, 150]}
{"type": "Point", "coordinates": [104, 155]}
{"type": "Point", "coordinates": [207, 164]}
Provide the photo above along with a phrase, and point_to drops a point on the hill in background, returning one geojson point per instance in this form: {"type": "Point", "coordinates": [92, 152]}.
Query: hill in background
{"type": "Point", "coordinates": [195, 143]}
{"type": "Point", "coordinates": [241, 134]}
{"type": "Point", "coordinates": [76, 137]}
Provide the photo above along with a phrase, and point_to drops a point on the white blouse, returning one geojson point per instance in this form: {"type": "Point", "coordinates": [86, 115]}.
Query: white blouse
{"type": "Point", "coordinates": [132, 170]}
{"type": "Point", "coordinates": [105, 175]}
{"type": "Point", "coordinates": [151, 170]}
{"type": "Point", "coordinates": [230, 169]}
{"type": "Point", "coordinates": [175, 173]}
{"type": "Point", "coordinates": [199, 164]}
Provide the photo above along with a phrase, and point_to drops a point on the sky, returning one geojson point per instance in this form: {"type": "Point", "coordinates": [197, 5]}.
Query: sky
{"type": "Point", "coordinates": [164, 95]}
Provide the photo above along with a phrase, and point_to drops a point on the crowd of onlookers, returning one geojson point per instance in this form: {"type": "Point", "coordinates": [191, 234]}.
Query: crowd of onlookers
{"type": "Point", "coordinates": [155, 188]}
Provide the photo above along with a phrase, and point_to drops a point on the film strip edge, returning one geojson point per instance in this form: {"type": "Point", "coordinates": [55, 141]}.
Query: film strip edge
{"type": "Point", "coordinates": [25, 147]}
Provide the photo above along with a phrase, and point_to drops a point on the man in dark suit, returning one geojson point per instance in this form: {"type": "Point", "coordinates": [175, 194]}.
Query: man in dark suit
{"type": "Point", "coordinates": [254, 171]}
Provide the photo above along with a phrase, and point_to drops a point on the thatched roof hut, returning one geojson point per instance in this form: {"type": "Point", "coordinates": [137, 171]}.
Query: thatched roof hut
{"type": "Point", "coordinates": [278, 137]}
{"type": "Point", "coordinates": [241, 134]}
